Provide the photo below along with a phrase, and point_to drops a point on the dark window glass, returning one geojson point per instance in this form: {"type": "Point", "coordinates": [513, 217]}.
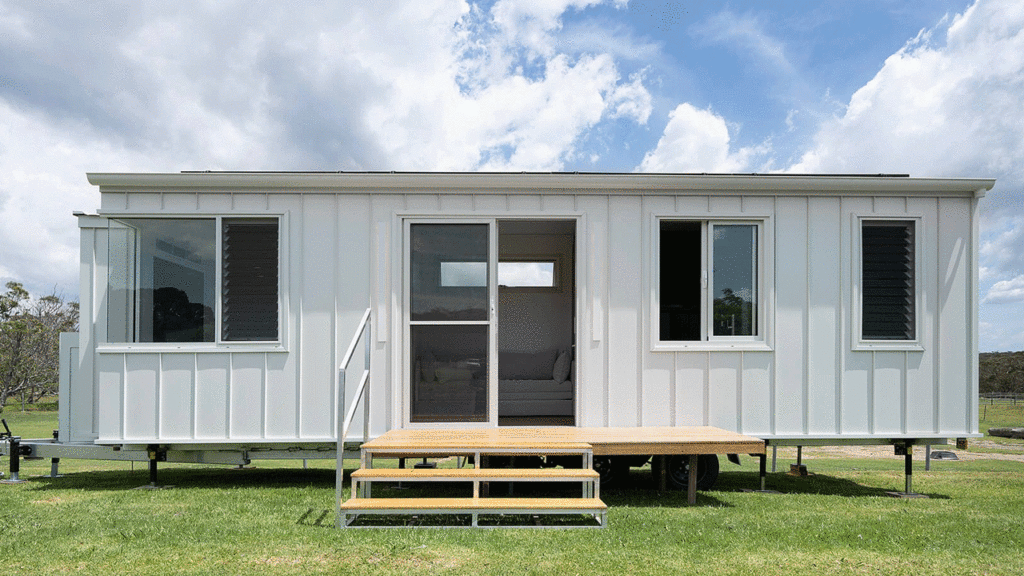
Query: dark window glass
{"type": "Point", "coordinates": [250, 279]}
{"type": "Point", "coordinates": [680, 270]}
{"type": "Point", "coordinates": [887, 280]}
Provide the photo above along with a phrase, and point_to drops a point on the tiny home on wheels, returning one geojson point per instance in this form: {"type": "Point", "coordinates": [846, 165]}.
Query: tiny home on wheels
{"type": "Point", "coordinates": [217, 309]}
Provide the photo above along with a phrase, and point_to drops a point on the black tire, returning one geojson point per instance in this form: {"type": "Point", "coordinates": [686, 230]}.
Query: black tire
{"type": "Point", "coordinates": [679, 471]}
{"type": "Point", "coordinates": [613, 470]}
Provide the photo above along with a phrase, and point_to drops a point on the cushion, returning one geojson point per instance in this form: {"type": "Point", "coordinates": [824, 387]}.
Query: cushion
{"type": "Point", "coordinates": [449, 374]}
{"type": "Point", "coordinates": [562, 366]}
{"type": "Point", "coordinates": [525, 365]}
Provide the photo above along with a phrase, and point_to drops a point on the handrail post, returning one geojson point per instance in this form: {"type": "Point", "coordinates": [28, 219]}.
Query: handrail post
{"type": "Point", "coordinates": [366, 391]}
{"type": "Point", "coordinates": [339, 473]}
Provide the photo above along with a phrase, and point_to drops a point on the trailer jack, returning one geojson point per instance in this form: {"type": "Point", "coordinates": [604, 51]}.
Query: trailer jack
{"type": "Point", "coordinates": [16, 452]}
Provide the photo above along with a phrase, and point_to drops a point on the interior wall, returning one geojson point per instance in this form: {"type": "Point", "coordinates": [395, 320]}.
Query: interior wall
{"type": "Point", "coordinates": [531, 320]}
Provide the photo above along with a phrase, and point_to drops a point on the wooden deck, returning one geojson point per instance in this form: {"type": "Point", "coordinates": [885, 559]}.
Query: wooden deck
{"type": "Point", "coordinates": [653, 440]}
{"type": "Point", "coordinates": [481, 443]}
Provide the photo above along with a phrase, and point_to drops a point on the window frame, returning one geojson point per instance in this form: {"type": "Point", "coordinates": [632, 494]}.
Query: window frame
{"type": "Point", "coordinates": [858, 342]}
{"type": "Point", "coordinates": [762, 340]}
{"type": "Point", "coordinates": [219, 344]}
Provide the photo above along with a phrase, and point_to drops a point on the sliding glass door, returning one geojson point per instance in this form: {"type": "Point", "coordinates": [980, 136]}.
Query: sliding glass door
{"type": "Point", "coordinates": [450, 321]}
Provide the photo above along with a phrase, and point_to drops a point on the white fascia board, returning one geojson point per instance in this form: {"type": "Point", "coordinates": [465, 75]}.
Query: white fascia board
{"type": "Point", "coordinates": [534, 183]}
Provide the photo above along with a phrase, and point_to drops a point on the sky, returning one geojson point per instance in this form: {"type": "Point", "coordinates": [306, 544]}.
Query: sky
{"type": "Point", "coordinates": [930, 88]}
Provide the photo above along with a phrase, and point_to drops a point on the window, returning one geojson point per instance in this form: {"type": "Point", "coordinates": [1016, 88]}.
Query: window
{"type": "Point", "coordinates": [170, 280]}
{"type": "Point", "coordinates": [888, 303]}
{"type": "Point", "coordinates": [709, 280]}
{"type": "Point", "coordinates": [528, 273]}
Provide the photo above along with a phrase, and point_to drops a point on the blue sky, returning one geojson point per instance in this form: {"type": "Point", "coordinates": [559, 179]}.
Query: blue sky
{"type": "Point", "coordinates": [932, 88]}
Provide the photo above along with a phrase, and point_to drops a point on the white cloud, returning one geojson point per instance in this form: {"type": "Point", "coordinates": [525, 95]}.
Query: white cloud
{"type": "Point", "coordinates": [154, 86]}
{"type": "Point", "coordinates": [1006, 291]}
{"type": "Point", "coordinates": [697, 141]}
{"type": "Point", "coordinates": [938, 110]}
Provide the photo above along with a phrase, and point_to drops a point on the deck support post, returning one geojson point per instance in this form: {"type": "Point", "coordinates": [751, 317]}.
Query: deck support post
{"type": "Point", "coordinates": [152, 450]}
{"type": "Point", "coordinates": [659, 468]}
{"type": "Point", "coordinates": [691, 483]}
{"type": "Point", "coordinates": [908, 468]}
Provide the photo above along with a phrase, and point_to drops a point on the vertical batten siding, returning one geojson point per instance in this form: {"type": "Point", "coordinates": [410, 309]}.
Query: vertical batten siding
{"type": "Point", "coordinates": [825, 257]}
{"type": "Point", "coordinates": [724, 373]}
{"type": "Point", "coordinates": [791, 339]}
{"type": "Point", "coordinates": [756, 411]}
{"type": "Point", "coordinates": [247, 389]}
{"type": "Point", "coordinates": [386, 369]}
{"type": "Point", "coordinates": [319, 221]}
{"type": "Point", "coordinates": [353, 246]}
{"type": "Point", "coordinates": [954, 259]}
{"type": "Point", "coordinates": [593, 363]}
{"type": "Point", "coordinates": [141, 396]}
{"type": "Point", "coordinates": [624, 297]}
{"type": "Point", "coordinates": [212, 383]}
{"type": "Point", "coordinates": [177, 395]}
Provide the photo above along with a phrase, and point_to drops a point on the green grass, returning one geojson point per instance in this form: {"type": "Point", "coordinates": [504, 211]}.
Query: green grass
{"type": "Point", "coordinates": [222, 521]}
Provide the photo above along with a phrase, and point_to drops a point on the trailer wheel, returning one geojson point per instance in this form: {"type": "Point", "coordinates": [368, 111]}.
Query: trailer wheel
{"type": "Point", "coordinates": [679, 471]}
{"type": "Point", "coordinates": [613, 470]}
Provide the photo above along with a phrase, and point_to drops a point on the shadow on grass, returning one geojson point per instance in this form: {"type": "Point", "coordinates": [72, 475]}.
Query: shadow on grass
{"type": "Point", "coordinates": [816, 484]}
{"type": "Point", "coordinates": [191, 478]}
{"type": "Point", "coordinates": [638, 491]}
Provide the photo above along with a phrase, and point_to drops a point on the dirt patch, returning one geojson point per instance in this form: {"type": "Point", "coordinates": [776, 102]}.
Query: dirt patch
{"type": "Point", "coordinates": [1011, 452]}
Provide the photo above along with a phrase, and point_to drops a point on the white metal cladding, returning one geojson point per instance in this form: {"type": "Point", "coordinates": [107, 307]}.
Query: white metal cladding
{"type": "Point", "coordinates": [341, 253]}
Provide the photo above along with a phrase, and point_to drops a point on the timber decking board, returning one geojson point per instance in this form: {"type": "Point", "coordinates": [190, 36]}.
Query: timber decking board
{"type": "Point", "coordinates": [604, 441]}
{"type": "Point", "coordinates": [469, 474]}
{"type": "Point", "coordinates": [506, 505]}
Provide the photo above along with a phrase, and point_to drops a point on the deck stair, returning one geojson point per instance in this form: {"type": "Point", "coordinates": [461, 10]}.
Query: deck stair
{"type": "Point", "coordinates": [364, 502]}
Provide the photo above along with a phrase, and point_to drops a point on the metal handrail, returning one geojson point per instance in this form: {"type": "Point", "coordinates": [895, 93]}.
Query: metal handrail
{"type": "Point", "coordinates": [343, 420]}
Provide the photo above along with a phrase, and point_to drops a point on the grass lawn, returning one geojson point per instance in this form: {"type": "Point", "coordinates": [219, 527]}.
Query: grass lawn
{"type": "Point", "coordinates": [218, 520]}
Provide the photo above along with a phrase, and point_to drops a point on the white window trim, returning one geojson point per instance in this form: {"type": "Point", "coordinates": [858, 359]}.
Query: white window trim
{"type": "Point", "coordinates": [219, 345]}
{"type": "Point", "coordinates": [763, 341]}
{"type": "Point", "coordinates": [858, 343]}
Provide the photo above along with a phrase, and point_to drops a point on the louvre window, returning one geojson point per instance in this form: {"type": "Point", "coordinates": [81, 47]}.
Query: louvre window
{"type": "Point", "coordinates": [887, 280]}
{"type": "Point", "coordinates": [249, 283]}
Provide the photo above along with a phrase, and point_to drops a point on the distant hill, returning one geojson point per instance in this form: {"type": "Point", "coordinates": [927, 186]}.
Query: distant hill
{"type": "Point", "coordinates": [1001, 372]}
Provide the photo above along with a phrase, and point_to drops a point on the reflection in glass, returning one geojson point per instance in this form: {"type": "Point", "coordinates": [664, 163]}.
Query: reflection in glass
{"type": "Point", "coordinates": [449, 373]}
{"type": "Point", "coordinates": [162, 280]}
{"type": "Point", "coordinates": [735, 279]}
{"type": "Point", "coordinates": [449, 271]}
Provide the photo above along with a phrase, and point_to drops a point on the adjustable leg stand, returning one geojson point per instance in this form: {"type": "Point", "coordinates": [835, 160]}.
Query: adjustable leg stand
{"type": "Point", "coordinates": [15, 461]}
{"type": "Point", "coordinates": [798, 469]}
{"type": "Point", "coordinates": [762, 460]}
{"type": "Point", "coordinates": [908, 470]}
{"type": "Point", "coordinates": [54, 467]}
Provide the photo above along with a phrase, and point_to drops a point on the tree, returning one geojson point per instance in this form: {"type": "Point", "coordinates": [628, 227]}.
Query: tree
{"type": "Point", "coordinates": [29, 341]}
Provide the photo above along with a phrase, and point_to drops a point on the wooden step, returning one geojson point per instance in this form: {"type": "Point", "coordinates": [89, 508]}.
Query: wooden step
{"type": "Point", "coordinates": [470, 474]}
{"type": "Point", "coordinates": [474, 505]}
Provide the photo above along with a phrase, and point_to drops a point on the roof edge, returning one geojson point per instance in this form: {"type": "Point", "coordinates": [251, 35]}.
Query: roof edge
{"type": "Point", "coordinates": [491, 182]}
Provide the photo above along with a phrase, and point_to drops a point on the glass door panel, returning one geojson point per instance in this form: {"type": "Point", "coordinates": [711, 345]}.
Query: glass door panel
{"type": "Point", "coordinates": [450, 322]}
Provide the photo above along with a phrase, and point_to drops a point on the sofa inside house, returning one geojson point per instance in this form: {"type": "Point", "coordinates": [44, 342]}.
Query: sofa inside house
{"type": "Point", "coordinates": [535, 383]}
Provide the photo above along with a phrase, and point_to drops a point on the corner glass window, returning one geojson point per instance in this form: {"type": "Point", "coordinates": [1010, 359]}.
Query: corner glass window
{"type": "Point", "coordinates": [167, 281]}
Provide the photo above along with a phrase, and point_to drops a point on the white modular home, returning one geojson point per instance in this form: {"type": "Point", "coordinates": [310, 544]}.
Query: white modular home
{"type": "Point", "coordinates": [217, 308]}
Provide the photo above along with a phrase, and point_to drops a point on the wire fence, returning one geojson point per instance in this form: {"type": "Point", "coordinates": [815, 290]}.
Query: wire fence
{"type": "Point", "coordinates": [1001, 398]}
